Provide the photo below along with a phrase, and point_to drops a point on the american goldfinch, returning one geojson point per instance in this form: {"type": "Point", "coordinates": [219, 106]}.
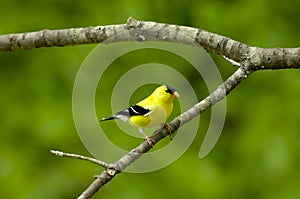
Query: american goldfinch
{"type": "Point", "coordinates": [152, 111]}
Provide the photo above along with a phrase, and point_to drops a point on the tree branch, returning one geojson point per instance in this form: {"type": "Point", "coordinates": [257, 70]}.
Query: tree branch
{"type": "Point", "coordinates": [118, 166]}
{"type": "Point", "coordinates": [135, 30]}
{"type": "Point", "coordinates": [81, 157]}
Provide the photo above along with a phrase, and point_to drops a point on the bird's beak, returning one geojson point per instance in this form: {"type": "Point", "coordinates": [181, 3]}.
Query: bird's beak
{"type": "Point", "coordinates": [175, 94]}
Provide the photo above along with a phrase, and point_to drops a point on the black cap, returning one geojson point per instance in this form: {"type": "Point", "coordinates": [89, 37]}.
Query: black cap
{"type": "Point", "coordinates": [170, 89]}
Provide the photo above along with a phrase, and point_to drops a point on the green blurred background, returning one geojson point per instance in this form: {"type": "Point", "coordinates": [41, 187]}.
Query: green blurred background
{"type": "Point", "coordinates": [257, 155]}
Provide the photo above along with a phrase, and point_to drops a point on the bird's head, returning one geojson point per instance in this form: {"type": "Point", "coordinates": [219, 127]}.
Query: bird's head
{"type": "Point", "coordinates": [166, 93]}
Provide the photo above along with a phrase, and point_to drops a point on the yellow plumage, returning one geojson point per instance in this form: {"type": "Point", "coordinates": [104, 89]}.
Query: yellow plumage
{"type": "Point", "coordinates": [160, 103]}
{"type": "Point", "coordinates": [152, 111]}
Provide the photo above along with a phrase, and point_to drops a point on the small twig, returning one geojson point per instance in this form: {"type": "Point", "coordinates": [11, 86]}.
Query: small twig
{"type": "Point", "coordinates": [81, 157]}
{"type": "Point", "coordinates": [234, 63]}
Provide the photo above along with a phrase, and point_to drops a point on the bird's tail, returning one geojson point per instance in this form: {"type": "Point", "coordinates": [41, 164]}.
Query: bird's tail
{"type": "Point", "coordinates": [107, 118]}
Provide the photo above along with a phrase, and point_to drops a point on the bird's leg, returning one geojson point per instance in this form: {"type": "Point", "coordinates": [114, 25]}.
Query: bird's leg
{"type": "Point", "coordinates": [167, 126]}
{"type": "Point", "coordinates": [149, 140]}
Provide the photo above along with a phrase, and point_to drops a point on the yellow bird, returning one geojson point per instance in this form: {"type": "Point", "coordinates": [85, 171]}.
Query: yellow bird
{"type": "Point", "coordinates": [152, 111]}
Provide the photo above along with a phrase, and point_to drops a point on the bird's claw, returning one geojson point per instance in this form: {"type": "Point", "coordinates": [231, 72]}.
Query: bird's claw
{"type": "Point", "coordinates": [150, 141]}
{"type": "Point", "coordinates": [167, 126]}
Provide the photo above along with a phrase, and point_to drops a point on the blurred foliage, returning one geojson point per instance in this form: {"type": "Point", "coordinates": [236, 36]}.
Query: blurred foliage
{"type": "Point", "coordinates": [257, 155]}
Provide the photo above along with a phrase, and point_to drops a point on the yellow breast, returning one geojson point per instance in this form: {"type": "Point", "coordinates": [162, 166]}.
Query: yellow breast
{"type": "Point", "coordinates": [158, 116]}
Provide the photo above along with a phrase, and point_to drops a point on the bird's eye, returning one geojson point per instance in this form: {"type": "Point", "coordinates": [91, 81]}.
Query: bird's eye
{"type": "Point", "coordinates": [169, 91]}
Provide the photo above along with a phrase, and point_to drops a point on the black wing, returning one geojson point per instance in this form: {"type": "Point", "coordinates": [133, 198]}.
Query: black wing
{"type": "Point", "coordinates": [137, 110]}
{"type": "Point", "coordinates": [124, 115]}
